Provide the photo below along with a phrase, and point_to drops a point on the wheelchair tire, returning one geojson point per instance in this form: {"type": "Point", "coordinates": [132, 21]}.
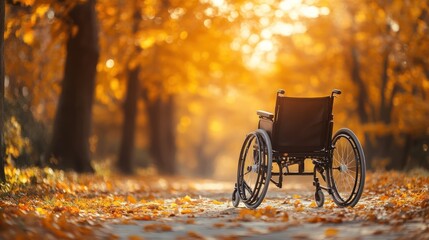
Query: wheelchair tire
{"type": "Point", "coordinates": [319, 197]}
{"type": "Point", "coordinates": [235, 198]}
{"type": "Point", "coordinates": [254, 168]}
{"type": "Point", "coordinates": [347, 168]}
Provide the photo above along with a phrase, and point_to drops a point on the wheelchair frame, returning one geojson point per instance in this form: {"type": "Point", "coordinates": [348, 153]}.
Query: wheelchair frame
{"type": "Point", "coordinates": [326, 161]}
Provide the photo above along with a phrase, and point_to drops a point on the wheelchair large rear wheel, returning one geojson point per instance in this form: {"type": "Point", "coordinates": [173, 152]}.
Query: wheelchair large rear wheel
{"type": "Point", "coordinates": [347, 172]}
{"type": "Point", "coordinates": [254, 168]}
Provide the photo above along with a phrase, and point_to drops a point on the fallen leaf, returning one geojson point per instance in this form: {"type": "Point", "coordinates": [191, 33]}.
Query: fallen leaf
{"type": "Point", "coordinates": [158, 227]}
{"type": "Point", "coordinates": [331, 232]}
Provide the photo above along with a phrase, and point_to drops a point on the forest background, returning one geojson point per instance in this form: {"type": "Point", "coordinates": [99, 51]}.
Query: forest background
{"type": "Point", "coordinates": [173, 86]}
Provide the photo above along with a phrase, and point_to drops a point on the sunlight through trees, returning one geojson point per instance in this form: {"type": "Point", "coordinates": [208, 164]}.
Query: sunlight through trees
{"type": "Point", "coordinates": [176, 84]}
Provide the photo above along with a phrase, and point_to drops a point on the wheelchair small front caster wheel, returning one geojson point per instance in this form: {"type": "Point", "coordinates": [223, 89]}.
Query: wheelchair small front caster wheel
{"type": "Point", "coordinates": [320, 198]}
{"type": "Point", "coordinates": [235, 198]}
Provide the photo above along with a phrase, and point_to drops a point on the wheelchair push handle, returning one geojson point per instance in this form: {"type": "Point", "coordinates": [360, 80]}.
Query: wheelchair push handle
{"type": "Point", "coordinates": [335, 91]}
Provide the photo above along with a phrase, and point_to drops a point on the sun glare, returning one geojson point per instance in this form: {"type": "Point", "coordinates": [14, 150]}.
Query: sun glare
{"type": "Point", "coordinates": [265, 46]}
{"type": "Point", "coordinates": [110, 63]}
{"type": "Point", "coordinates": [288, 5]}
{"type": "Point", "coordinates": [218, 3]}
{"type": "Point", "coordinates": [260, 48]}
{"type": "Point", "coordinates": [221, 6]}
{"type": "Point", "coordinates": [258, 41]}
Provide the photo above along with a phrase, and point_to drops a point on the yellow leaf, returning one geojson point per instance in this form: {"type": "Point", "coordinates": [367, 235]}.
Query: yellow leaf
{"type": "Point", "coordinates": [157, 227]}
{"type": "Point", "coordinates": [187, 199]}
{"type": "Point", "coordinates": [8, 29]}
{"type": "Point", "coordinates": [135, 237]}
{"type": "Point", "coordinates": [183, 35]}
{"type": "Point", "coordinates": [217, 202]}
{"type": "Point", "coordinates": [186, 211]}
{"type": "Point", "coordinates": [190, 221]}
{"type": "Point", "coordinates": [331, 232]}
{"type": "Point", "coordinates": [28, 37]}
{"type": "Point", "coordinates": [28, 2]}
{"type": "Point", "coordinates": [194, 235]}
{"type": "Point", "coordinates": [219, 225]}
{"type": "Point", "coordinates": [147, 42]}
{"type": "Point", "coordinates": [384, 198]}
{"type": "Point", "coordinates": [285, 217]}
{"type": "Point", "coordinates": [23, 178]}
{"type": "Point", "coordinates": [299, 209]}
{"type": "Point", "coordinates": [42, 9]}
{"type": "Point", "coordinates": [114, 84]}
{"type": "Point", "coordinates": [143, 217]}
{"type": "Point", "coordinates": [297, 203]}
{"type": "Point", "coordinates": [131, 199]}
{"type": "Point", "coordinates": [296, 196]}
{"type": "Point", "coordinates": [316, 219]}
{"type": "Point", "coordinates": [41, 211]}
{"type": "Point", "coordinates": [109, 186]}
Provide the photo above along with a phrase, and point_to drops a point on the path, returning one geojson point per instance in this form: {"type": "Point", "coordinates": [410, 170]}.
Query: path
{"type": "Point", "coordinates": [287, 213]}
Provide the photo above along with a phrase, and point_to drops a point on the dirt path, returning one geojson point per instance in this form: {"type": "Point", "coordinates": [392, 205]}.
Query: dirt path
{"type": "Point", "coordinates": [44, 204]}
{"type": "Point", "coordinates": [289, 213]}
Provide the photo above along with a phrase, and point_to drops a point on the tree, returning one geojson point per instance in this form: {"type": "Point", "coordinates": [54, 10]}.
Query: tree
{"type": "Point", "coordinates": [379, 62]}
{"type": "Point", "coordinates": [166, 40]}
{"type": "Point", "coordinates": [160, 107]}
{"type": "Point", "coordinates": [124, 163]}
{"type": "Point", "coordinates": [2, 153]}
{"type": "Point", "coordinates": [389, 72]}
{"type": "Point", "coordinates": [72, 126]}
{"type": "Point", "coordinates": [162, 133]}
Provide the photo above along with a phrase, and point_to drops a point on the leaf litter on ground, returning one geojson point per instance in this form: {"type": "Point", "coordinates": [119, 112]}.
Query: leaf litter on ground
{"type": "Point", "coordinates": [51, 204]}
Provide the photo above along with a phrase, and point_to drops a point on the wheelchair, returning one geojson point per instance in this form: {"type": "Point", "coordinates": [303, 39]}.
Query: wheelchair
{"type": "Point", "coordinates": [300, 130]}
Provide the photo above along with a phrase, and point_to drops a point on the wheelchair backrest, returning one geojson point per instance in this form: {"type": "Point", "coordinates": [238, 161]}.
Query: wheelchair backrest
{"type": "Point", "coordinates": [302, 124]}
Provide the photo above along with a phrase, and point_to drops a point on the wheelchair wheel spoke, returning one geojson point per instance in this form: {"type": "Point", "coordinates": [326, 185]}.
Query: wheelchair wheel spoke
{"type": "Point", "coordinates": [347, 171]}
{"type": "Point", "coordinates": [248, 188]}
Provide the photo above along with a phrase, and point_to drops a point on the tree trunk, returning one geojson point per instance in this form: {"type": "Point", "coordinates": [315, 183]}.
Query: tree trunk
{"type": "Point", "coordinates": [126, 151]}
{"type": "Point", "coordinates": [417, 155]}
{"type": "Point", "coordinates": [206, 151]}
{"type": "Point", "coordinates": [2, 73]}
{"type": "Point", "coordinates": [124, 163]}
{"type": "Point", "coordinates": [205, 164]}
{"type": "Point", "coordinates": [162, 134]}
{"type": "Point", "coordinates": [362, 99]}
{"type": "Point", "coordinates": [72, 126]}
{"type": "Point", "coordinates": [362, 102]}
{"type": "Point", "coordinates": [376, 147]}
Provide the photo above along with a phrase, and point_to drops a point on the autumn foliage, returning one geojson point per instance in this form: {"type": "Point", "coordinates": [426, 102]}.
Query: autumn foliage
{"type": "Point", "coordinates": [51, 204]}
{"type": "Point", "coordinates": [142, 93]}
{"type": "Point", "coordinates": [175, 76]}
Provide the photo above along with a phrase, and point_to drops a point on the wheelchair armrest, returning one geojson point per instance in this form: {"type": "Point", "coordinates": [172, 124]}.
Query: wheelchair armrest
{"type": "Point", "coordinates": [265, 114]}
